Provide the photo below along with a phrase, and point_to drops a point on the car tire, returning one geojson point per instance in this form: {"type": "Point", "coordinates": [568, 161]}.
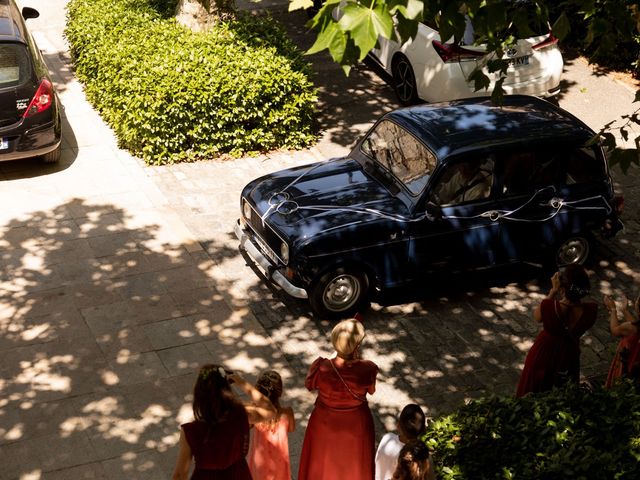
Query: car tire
{"type": "Point", "coordinates": [404, 81]}
{"type": "Point", "coordinates": [574, 250]}
{"type": "Point", "coordinates": [340, 293]}
{"type": "Point", "coordinates": [53, 156]}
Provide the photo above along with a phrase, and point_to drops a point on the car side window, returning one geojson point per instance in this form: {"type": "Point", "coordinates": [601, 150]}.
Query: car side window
{"type": "Point", "coordinates": [525, 171]}
{"type": "Point", "coordinates": [465, 181]}
{"type": "Point", "coordinates": [583, 165]}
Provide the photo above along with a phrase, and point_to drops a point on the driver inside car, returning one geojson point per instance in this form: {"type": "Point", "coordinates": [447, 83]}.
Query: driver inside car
{"type": "Point", "coordinates": [464, 182]}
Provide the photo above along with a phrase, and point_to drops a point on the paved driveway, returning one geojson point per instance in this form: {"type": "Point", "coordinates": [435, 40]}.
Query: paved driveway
{"type": "Point", "coordinates": [118, 280]}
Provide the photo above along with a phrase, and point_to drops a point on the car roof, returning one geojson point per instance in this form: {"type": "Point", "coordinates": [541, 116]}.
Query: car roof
{"type": "Point", "coordinates": [453, 127]}
{"type": "Point", "coordinates": [12, 26]}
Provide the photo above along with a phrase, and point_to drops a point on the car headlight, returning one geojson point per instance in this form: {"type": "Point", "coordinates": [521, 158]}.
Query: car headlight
{"type": "Point", "coordinates": [246, 210]}
{"type": "Point", "coordinates": [284, 252]}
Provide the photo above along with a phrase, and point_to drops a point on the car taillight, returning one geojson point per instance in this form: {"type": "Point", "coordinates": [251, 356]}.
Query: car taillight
{"type": "Point", "coordinates": [41, 100]}
{"type": "Point", "coordinates": [450, 52]}
{"type": "Point", "coordinates": [547, 42]}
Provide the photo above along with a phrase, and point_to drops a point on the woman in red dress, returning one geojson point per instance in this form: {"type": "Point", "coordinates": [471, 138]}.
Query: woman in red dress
{"type": "Point", "coordinates": [626, 362]}
{"type": "Point", "coordinates": [339, 442]}
{"type": "Point", "coordinates": [554, 357]}
{"type": "Point", "coordinates": [218, 439]}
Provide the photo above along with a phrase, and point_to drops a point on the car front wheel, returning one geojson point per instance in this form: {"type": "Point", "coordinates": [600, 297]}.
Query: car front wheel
{"type": "Point", "coordinates": [340, 293]}
{"type": "Point", "coordinates": [574, 250]}
{"type": "Point", "coordinates": [404, 81]}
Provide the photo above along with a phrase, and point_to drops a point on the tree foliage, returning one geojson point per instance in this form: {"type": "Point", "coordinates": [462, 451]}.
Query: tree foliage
{"type": "Point", "coordinates": [349, 29]}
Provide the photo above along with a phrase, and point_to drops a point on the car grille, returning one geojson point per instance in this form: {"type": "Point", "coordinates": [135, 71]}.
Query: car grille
{"type": "Point", "coordinates": [265, 236]}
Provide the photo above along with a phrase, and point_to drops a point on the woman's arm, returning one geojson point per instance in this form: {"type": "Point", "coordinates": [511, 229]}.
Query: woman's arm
{"type": "Point", "coordinates": [181, 472]}
{"type": "Point", "coordinates": [288, 411]}
{"type": "Point", "coordinates": [555, 287]}
{"type": "Point", "coordinates": [260, 409]}
{"type": "Point", "coordinates": [619, 329]}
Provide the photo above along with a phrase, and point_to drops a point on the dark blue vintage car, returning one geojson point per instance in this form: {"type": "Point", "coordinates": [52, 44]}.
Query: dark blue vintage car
{"type": "Point", "coordinates": [459, 186]}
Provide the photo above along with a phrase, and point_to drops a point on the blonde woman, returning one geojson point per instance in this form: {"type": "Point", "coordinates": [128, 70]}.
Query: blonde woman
{"type": "Point", "coordinates": [339, 441]}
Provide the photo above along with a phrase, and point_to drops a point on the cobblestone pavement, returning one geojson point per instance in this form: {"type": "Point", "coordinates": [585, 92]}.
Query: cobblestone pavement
{"type": "Point", "coordinates": [118, 280]}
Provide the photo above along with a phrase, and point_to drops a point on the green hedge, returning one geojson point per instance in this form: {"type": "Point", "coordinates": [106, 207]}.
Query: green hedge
{"type": "Point", "coordinates": [173, 95]}
{"type": "Point", "coordinates": [570, 433]}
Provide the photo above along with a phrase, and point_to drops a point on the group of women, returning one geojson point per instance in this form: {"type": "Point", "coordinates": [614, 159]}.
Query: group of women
{"type": "Point", "coordinates": [339, 440]}
{"type": "Point", "coordinates": [554, 357]}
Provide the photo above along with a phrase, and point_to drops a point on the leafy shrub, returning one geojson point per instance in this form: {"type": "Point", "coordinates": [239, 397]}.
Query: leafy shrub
{"type": "Point", "coordinates": [174, 95]}
{"type": "Point", "coordinates": [570, 433]}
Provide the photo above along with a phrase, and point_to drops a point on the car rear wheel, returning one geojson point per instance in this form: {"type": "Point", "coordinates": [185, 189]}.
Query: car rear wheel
{"type": "Point", "coordinates": [340, 293]}
{"type": "Point", "coordinates": [574, 250]}
{"type": "Point", "coordinates": [404, 81]}
{"type": "Point", "coordinates": [52, 157]}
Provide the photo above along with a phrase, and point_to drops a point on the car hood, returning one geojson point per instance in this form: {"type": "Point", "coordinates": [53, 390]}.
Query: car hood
{"type": "Point", "coordinates": [323, 197]}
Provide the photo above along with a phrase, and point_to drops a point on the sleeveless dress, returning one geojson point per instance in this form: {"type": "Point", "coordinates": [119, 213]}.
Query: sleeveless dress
{"type": "Point", "coordinates": [627, 355]}
{"type": "Point", "coordinates": [339, 442]}
{"type": "Point", "coordinates": [219, 451]}
{"type": "Point", "coordinates": [269, 451]}
{"type": "Point", "coordinates": [554, 357]}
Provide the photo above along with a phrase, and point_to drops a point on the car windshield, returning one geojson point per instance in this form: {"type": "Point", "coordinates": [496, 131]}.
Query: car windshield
{"type": "Point", "coordinates": [400, 153]}
{"type": "Point", "coordinates": [14, 65]}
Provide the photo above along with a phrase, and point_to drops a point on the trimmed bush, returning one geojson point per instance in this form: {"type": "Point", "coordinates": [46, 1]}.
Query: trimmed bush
{"type": "Point", "coordinates": [174, 95]}
{"type": "Point", "coordinates": [570, 433]}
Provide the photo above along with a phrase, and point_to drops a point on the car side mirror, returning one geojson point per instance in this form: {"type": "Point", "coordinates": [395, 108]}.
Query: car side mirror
{"type": "Point", "coordinates": [434, 212]}
{"type": "Point", "coordinates": [28, 12]}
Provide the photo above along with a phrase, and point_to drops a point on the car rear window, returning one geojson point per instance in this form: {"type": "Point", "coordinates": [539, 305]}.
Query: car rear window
{"type": "Point", "coordinates": [14, 64]}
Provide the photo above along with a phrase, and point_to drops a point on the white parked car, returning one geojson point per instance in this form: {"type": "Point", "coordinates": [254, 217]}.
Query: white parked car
{"type": "Point", "coordinates": [430, 69]}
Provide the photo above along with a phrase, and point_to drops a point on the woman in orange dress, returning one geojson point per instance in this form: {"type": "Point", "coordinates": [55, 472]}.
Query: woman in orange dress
{"type": "Point", "coordinates": [554, 357]}
{"type": "Point", "coordinates": [626, 362]}
{"type": "Point", "coordinates": [339, 442]}
{"type": "Point", "coordinates": [269, 451]}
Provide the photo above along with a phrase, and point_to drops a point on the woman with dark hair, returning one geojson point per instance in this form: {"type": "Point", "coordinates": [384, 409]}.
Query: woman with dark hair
{"type": "Point", "coordinates": [218, 439]}
{"type": "Point", "coordinates": [554, 357]}
{"type": "Point", "coordinates": [414, 463]}
{"type": "Point", "coordinates": [626, 362]}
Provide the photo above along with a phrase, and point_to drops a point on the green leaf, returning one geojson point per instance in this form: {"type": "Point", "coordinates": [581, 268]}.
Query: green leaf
{"type": "Point", "coordinates": [298, 4]}
{"type": "Point", "coordinates": [561, 27]}
{"type": "Point", "coordinates": [331, 37]}
{"type": "Point", "coordinates": [480, 80]}
{"type": "Point", "coordinates": [365, 24]}
{"type": "Point", "coordinates": [412, 10]}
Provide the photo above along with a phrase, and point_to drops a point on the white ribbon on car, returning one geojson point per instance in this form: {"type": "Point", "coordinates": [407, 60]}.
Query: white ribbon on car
{"type": "Point", "coordinates": [282, 203]}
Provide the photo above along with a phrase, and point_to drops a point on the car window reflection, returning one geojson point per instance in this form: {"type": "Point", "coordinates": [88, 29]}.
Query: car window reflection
{"type": "Point", "coordinates": [402, 154]}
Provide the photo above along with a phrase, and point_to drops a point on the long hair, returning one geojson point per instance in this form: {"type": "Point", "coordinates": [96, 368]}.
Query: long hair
{"type": "Point", "coordinates": [413, 462]}
{"type": "Point", "coordinates": [412, 421]}
{"type": "Point", "coordinates": [212, 395]}
{"type": "Point", "coordinates": [269, 383]}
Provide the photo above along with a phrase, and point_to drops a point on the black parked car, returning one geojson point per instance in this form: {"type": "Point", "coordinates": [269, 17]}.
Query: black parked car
{"type": "Point", "coordinates": [29, 108]}
{"type": "Point", "coordinates": [458, 186]}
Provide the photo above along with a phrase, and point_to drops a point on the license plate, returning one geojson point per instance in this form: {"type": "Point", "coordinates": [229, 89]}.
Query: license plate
{"type": "Point", "coordinates": [5, 144]}
{"type": "Point", "coordinates": [519, 61]}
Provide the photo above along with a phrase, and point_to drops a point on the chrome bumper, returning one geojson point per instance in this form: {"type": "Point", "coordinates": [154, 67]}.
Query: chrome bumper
{"type": "Point", "coordinates": [246, 245]}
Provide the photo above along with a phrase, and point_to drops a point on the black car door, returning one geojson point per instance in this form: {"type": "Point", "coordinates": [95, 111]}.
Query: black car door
{"type": "Point", "coordinates": [553, 191]}
{"type": "Point", "coordinates": [459, 233]}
